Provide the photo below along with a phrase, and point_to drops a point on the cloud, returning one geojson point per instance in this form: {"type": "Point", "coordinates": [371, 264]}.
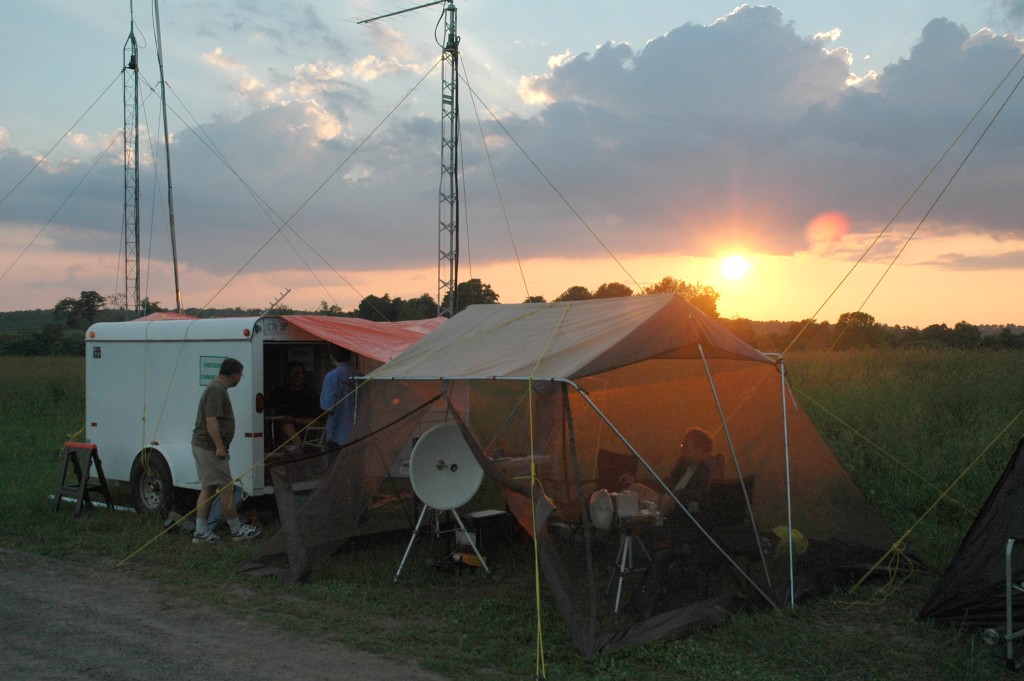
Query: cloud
{"type": "Point", "coordinates": [1014, 11]}
{"type": "Point", "coordinates": [216, 57]}
{"type": "Point", "coordinates": [741, 131]}
{"type": "Point", "coordinates": [1014, 260]}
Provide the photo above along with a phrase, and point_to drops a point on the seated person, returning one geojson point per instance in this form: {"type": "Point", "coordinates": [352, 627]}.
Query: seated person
{"type": "Point", "coordinates": [696, 467]}
{"type": "Point", "coordinates": [294, 405]}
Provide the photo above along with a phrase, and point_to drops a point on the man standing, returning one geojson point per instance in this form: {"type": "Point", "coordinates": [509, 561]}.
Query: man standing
{"type": "Point", "coordinates": [338, 397]}
{"type": "Point", "coordinates": [215, 427]}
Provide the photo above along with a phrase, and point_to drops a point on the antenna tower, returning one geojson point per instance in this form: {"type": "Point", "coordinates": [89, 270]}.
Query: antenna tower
{"type": "Point", "coordinates": [448, 194]}
{"type": "Point", "coordinates": [167, 155]}
{"type": "Point", "coordinates": [130, 79]}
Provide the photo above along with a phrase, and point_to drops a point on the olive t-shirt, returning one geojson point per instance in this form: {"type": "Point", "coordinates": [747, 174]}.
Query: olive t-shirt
{"type": "Point", "coordinates": [216, 403]}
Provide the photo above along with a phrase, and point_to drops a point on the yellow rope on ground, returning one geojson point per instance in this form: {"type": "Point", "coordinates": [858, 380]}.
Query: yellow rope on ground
{"type": "Point", "coordinates": [897, 558]}
{"type": "Point", "coordinates": [266, 456]}
{"type": "Point", "coordinates": [899, 542]}
{"type": "Point", "coordinates": [175, 524]}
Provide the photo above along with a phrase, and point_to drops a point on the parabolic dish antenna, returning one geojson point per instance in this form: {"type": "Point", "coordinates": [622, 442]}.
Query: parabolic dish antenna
{"type": "Point", "coordinates": [443, 471]}
{"type": "Point", "coordinates": [445, 475]}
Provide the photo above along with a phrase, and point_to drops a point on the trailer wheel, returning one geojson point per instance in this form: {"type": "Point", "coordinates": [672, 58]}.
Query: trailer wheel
{"type": "Point", "coordinates": [151, 484]}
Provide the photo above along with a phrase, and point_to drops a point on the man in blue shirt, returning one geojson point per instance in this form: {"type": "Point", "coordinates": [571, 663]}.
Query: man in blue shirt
{"type": "Point", "coordinates": [338, 396]}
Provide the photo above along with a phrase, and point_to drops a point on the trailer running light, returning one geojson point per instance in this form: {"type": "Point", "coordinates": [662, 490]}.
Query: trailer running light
{"type": "Point", "coordinates": [246, 332]}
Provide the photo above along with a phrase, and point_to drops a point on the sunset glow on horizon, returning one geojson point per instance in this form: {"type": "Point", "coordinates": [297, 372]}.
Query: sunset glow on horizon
{"type": "Point", "coordinates": [624, 148]}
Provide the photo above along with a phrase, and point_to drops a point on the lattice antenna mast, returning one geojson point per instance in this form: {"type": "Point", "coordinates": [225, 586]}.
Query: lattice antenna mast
{"type": "Point", "coordinates": [130, 80]}
{"type": "Point", "coordinates": [448, 194]}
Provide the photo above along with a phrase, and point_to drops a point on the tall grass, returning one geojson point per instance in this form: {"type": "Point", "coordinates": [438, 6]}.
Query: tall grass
{"type": "Point", "coordinates": [919, 420]}
{"type": "Point", "coordinates": [908, 425]}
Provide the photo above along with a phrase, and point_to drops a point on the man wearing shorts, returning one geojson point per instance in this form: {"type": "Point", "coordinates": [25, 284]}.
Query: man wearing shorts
{"type": "Point", "coordinates": [215, 427]}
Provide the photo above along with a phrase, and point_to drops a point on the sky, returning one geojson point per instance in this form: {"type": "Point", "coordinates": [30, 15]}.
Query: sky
{"type": "Point", "coordinates": [856, 156]}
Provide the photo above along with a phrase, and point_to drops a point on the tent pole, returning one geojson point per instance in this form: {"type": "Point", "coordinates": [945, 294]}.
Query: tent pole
{"type": "Point", "coordinates": [789, 496]}
{"type": "Point", "coordinates": [584, 512]}
{"type": "Point", "coordinates": [623, 440]}
{"type": "Point", "coordinates": [735, 460]}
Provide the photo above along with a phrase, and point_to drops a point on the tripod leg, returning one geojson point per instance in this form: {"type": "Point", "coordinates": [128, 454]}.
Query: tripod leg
{"type": "Point", "coordinates": [412, 539]}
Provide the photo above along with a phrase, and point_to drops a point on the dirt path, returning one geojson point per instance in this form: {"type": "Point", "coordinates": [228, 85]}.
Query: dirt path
{"type": "Point", "coordinates": [59, 620]}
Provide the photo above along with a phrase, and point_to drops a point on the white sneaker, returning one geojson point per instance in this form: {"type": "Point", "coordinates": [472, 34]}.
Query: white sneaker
{"type": "Point", "coordinates": [205, 538]}
{"type": "Point", "coordinates": [245, 532]}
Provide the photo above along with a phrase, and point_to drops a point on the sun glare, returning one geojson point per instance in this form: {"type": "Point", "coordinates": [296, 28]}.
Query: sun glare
{"type": "Point", "coordinates": [735, 267]}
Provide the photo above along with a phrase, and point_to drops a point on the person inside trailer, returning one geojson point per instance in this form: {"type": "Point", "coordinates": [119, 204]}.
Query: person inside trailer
{"type": "Point", "coordinates": [293, 406]}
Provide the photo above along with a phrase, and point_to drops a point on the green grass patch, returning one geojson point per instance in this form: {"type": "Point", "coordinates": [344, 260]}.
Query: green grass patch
{"type": "Point", "coordinates": [921, 419]}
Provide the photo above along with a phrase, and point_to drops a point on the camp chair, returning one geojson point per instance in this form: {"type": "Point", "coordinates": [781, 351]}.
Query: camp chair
{"type": "Point", "coordinates": [314, 436]}
{"type": "Point", "coordinates": [725, 504]}
{"type": "Point", "coordinates": [611, 466]}
{"type": "Point", "coordinates": [726, 517]}
{"type": "Point", "coordinates": [724, 514]}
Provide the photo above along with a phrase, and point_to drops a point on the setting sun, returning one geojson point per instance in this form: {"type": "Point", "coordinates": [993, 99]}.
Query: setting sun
{"type": "Point", "coordinates": [735, 267]}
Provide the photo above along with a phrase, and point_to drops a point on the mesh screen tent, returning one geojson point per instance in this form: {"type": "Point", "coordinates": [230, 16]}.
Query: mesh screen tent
{"type": "Point", "coordinates": [546, 395]}
{"type": "Point", "coordinates": [972, 591]}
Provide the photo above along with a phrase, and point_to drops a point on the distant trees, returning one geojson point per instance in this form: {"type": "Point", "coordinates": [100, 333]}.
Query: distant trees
{"type": "Point", "coordinates": [613, 290]}
{"type": "Point", "coordinates": [60, 331]}
{"type": "Point", "coordinates": [472, 292]}
{"type": "Point", "coordinates": [857, 330]}
{"type": "Point", "coordinates": [79, 313]}
{"type": "Point", "coordinates": [701, 296]}
{"type": "Point", "coordinates": [575, 293]}
{"type": "Point", "coordinates": [330, 309]}
{"type": "Point", "coordinates": [385, 309]}
{"type": "Point", "coordinates": [423, 307]}
{"type": "Point", "coordinates": [609, 290]}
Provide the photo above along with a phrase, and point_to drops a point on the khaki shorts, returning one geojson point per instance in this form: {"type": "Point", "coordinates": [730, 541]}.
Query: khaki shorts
{"type": "Point", "coordinates": [212, 469]}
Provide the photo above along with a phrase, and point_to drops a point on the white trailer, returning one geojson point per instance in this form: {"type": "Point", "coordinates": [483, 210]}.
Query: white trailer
{"type": "Point", "coordinates": [144, 379]}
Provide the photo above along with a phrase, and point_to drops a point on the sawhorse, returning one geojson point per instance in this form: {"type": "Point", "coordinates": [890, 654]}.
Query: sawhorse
{"type": "Point", "coordinates": [80, 456]}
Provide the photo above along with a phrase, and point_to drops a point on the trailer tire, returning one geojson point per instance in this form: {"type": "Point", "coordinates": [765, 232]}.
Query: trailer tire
{"type": "Point", "coordinates": [151, 484]}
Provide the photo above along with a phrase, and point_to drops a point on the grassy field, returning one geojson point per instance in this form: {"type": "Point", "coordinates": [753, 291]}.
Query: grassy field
{"type": "Point", "coordinates": [906, 425]}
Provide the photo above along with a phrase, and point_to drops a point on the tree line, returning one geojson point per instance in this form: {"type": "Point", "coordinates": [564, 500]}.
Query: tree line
{"type": "Point", "coordinates": [62, 330]}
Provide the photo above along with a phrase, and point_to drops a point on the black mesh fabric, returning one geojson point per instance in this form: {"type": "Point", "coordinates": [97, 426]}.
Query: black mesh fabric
{"type": "Point", "coordinates": [972, 592]}
{"type": "Point", "coordinates": [542, 441]}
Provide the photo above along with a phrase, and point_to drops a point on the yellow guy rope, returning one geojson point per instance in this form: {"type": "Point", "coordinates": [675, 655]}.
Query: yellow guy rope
{"type": "Point", "coordinates": [897, 545]}
{"type": "Point", "coordinates": [877, 446]}
{"type": "Point", "coordinates": [540, 669]}
{"type": "Point", "coordinates": [174, 525]}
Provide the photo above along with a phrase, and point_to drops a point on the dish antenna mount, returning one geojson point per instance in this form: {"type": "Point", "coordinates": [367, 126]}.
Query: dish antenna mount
{"type": "Point", "coordinates": [445, 475]}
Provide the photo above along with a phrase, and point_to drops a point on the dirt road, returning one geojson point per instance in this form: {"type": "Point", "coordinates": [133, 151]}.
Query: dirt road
{"type": "Point", "coordinates": [59, 620]}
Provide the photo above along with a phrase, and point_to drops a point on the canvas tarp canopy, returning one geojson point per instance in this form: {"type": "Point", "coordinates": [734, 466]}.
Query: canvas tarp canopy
{"type": "Point", "coordinates": [377, 341]}
{"type": "Point", "coordinates": [546, 394]}
{"type": "Point", "coordinates": [972, 591]}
